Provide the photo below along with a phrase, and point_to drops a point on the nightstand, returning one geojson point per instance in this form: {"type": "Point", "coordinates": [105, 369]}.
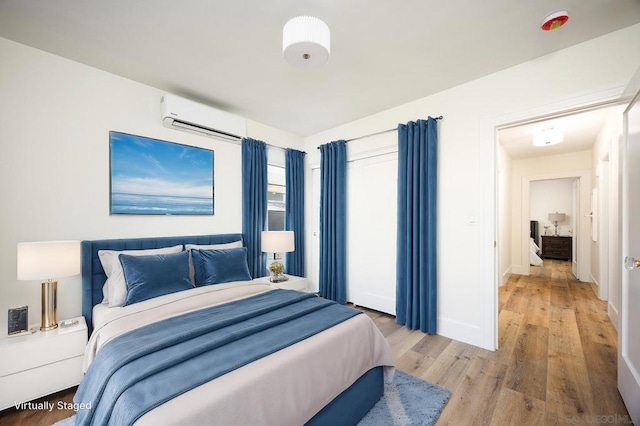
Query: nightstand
{"type": "Point", "coordinates": [293, 283]}
{"type": "Point", "coordinates": [39, 364]}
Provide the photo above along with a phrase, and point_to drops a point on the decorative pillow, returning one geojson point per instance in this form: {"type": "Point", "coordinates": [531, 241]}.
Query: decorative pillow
{"type": "Point", "coordinates": [190, 247]}
{"type": "Point", "coordinates": [220, 266]}
{"type": "Point", "coordinates": [155, 275]}
{"type": "Point", "coordinates": [115, 288]}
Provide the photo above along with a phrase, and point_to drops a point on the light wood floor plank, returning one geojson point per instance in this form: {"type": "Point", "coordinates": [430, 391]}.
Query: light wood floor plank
{"type": "Point", "coordinates": [568, 383]}
{"type": "Point", "coordinates": [564, 336]}
{"type": "Point", "coordinates": [527, 372]}
{"type": "Point", "coordinates": [477, 395]}
{"type": "Point", "coordinates": [513, 408]}
{"type": "Point", "coordinates": [451, 366]}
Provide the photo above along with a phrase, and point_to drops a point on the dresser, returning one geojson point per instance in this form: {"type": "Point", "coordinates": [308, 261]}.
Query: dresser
{"type": "Point", "coordinates": [556, 247]}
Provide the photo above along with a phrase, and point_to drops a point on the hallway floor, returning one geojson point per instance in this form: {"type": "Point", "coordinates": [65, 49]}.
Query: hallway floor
{"type": "Point", "coordinates": [556, 363]}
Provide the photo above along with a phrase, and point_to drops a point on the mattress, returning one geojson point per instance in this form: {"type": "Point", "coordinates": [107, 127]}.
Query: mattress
{"type": "Point", "coordinates": [286, 388]}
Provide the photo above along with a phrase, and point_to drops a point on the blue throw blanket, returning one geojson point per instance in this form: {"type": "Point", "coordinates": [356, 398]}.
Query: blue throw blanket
{"type": "Point", "coordinates": [146, 367]}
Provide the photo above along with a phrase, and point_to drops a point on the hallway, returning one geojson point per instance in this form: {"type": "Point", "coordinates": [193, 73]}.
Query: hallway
{"type": "Point", "coordinates": [561, 345]}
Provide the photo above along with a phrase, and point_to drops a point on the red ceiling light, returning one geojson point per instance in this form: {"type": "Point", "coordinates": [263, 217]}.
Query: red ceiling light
{"type": "Point", "coordinates": [555, 20]}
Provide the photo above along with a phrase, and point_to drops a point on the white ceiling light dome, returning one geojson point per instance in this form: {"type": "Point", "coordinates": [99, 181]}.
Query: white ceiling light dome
{"type": "Point", "coordinates": [546, 137]}
{"type": "Point", "coordinates": [306, 42]}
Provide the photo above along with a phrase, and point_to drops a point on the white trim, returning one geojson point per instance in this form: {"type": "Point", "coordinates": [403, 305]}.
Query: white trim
{"type": "Point", "coordinates": [519, 269]}
{"type": "Point", "coordinates": [505, 276]}
{"type": "Point", "coordinates": [460, 331]}
{"type": "Point", "coordinates": [583, 231]}
{"type": "Point", "coordinates": [488, 183]}
{"type": "Point", "coordinates": [613, 315]}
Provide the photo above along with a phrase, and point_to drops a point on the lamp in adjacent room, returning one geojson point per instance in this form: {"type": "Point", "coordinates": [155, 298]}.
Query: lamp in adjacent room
{"type": "Point", "coordinates": [555, 218]}
{"type": "Point", "coordinates": [47, 261]}
{"type": "Point", "coordinates": [277, 242]}
{"type": "Point", "coordinates": [306, 42]}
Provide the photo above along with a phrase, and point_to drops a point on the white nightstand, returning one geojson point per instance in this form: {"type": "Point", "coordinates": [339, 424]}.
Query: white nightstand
{"type": "Point", "coordinates": [293, 283]}
{"type": "Point", "coordinates": [39, 364]}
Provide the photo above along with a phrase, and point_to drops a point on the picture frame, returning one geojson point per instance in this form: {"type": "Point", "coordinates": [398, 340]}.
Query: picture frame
{"type": "Point", "coordinates": [18, 320]}
{"type": "Point", "coordinates": [155, 177]}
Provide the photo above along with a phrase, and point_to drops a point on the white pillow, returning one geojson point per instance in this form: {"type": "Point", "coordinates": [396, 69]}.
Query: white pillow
{"type": "Point", "coordinates": [115, 288]}
{"type": "Point", "coordinates": [189, 247]}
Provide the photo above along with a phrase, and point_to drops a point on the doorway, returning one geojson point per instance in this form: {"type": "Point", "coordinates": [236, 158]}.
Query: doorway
{"type": "Point", "coordinates": [579, 158]}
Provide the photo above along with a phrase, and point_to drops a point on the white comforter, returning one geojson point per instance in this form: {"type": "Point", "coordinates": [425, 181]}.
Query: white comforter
{"type": "Point", "coordinates": [285, 388]}
{"type": "Point", "coordinates": [534, 259]}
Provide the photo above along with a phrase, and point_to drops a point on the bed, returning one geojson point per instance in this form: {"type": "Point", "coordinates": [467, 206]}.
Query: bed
{"type": "Point", "coordinates": [331, 375]}
{"type": "Point", "coordinates": [534, 239]}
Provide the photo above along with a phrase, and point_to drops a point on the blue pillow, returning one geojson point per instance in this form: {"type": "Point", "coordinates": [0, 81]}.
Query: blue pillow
{"type": "Point", "coordinates": [220, 266]}
{"type": "Point", "coordinates": [155, 275]}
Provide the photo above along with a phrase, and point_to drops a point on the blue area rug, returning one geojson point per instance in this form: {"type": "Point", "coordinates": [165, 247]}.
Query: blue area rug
{"type": "Point", "coordinates": [408, 401]}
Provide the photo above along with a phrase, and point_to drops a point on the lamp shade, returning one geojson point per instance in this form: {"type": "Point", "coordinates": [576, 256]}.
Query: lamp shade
{"type": "Point", "coordinates": [557, 217]}
{"type": "Point", "coordinates": [306, 42]}
{"type": "Point", "coordinates": [47, 260]}
{"type": "Point", "coordinates": [277, 241]}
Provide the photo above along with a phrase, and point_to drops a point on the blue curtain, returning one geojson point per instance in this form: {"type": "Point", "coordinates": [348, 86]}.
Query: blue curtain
{"type": "Point", "coordinates": [294, 209]}
{"type": "Point", "coordinates": [416, 273]}
{"type": "Point", "coordinates": [254, 203]}
{"type": "Point", "coordinates": [333, 218]}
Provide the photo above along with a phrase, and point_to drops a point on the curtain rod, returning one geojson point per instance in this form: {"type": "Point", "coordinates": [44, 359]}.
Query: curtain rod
{"type": "Point", "coordinates": [380, 132]}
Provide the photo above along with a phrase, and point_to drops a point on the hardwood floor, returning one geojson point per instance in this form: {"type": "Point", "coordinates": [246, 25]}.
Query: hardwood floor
{"type": "Point", "coordinates": [556, 363]}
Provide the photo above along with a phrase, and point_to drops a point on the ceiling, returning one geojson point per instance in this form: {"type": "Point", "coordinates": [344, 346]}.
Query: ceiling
{"type": "Point", "coordinates": [580, 131]}
{"type": "Point", "coordinates": [228, 53]}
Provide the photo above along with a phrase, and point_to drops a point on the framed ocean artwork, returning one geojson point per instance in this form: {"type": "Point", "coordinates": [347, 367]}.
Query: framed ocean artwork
{"type": "Point", "coordinates": [156, 177]}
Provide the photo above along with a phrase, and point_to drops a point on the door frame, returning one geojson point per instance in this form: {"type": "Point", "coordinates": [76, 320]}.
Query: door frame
{"type": "Point", "coordinates": [488, 176]}
{"type": "Point", "coordinates": [628, 376]}
{"type": "Point", "coordinates": [581, 234]}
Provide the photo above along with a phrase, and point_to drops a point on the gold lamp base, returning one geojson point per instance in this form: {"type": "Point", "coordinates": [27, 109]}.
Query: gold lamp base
{"type": "Point", "coordinates": [49, 305]}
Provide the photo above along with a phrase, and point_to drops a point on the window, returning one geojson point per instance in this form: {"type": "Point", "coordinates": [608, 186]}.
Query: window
{"type": "Point", "coordinates": [275, 198]}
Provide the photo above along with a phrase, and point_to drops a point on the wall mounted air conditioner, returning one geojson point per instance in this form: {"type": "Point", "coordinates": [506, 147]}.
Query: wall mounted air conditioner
{"type": "Point", "coordinates": [183, 114]}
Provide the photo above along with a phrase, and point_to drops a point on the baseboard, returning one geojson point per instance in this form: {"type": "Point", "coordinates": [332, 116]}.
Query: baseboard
{"type": "Point", "coordinates": [613, 315]}
{"type": "Point", "coordinates": [460, 331]}
{"type": "Point", "coordinates": [505, 277]}
{"type": "Point", "coordinates": [594, 285]}
{"type": "Point", "coordinates": [518, 270]}
{"type": "Point", "coordinates": [629, 389]}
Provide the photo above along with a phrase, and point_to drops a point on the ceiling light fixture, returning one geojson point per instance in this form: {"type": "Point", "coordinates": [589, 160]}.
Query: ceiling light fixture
{"type": "Point", "coordinates": [546, 137]}
{"type": "Point", "coordinates": [555, 20]}
{"type": "Point", "coordinates": [306, 42]}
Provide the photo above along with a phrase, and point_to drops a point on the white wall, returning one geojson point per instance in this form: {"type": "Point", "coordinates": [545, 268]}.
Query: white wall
{"type": "Point", "coordinates": [606, 147]}
{"type": "Point", "coordinates": [550, 196]}
{"type": "Point", "coordinates": [56, 117]}
{"type": "Point", "coordinates": [601, 64]}
{"type": "Point", "coordinates": [504, 214]}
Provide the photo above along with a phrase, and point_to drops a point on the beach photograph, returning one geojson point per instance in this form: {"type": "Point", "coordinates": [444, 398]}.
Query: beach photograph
{"type": "Point", "coordinates": [155, 177]}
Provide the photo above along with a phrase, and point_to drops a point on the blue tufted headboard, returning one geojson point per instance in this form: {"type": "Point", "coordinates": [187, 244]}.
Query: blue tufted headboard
{"type": "Point", "coordinates": [93, 276]}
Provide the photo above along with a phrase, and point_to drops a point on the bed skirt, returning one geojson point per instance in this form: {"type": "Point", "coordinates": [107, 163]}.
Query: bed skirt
{"type": "Point", "coordinates": [354, 403]}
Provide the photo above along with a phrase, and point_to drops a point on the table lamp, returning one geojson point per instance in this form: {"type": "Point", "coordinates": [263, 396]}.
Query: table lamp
{"type": "Point", "coordinates": [277, 242]}
{"type": "Point", "coordinates": [47, 261]}
{"type": "Point", "coordinates": [556, 217]}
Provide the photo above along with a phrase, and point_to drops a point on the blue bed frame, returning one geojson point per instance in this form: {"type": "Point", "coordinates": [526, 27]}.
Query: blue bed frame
{"type": "Point", "coordinates": [346, 409]}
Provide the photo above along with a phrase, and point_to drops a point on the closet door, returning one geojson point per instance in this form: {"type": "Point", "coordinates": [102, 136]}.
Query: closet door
{"type": "Point", "coordinates": [371, 231]}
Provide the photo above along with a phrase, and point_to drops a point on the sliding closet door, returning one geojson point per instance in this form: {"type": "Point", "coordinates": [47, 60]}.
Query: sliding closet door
{"type": "Point", "coordinates": [371, 231]}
